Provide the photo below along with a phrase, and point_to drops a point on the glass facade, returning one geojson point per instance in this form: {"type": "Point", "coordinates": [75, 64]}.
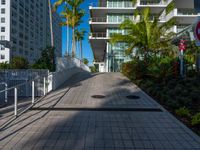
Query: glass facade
{"type": "Point", "coordinates": [116, 56]}
{"type": "Point", "coordinates": [197, 5]}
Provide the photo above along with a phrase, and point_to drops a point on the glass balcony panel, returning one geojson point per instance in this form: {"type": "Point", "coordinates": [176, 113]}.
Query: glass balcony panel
{"type": "Point", "coordinates": [187, 12]}
{"type": "Point", "coordinates": [151, 2]}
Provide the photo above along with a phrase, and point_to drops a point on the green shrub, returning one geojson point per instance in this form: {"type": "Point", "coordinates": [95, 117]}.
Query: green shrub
{"type": "Point", "coordinates": [173, 104]}
{"type": "Point", "coordinates": [178, 89]}
{"type": "Point", "coordinates": [19, 62]}
{"type": "Point", "coordinates": [47, 60]}
{"type": "Point", "coordinates": [4, 65]}
{"type": "Point", "coordinates": [183, 112]}
{"type": "Point", "coordinates": [183, 101]}
{"type": "Point", "coordinates": [196, 119]}
{"type": "Point", "coordinates": [171, 93]}
{"type": "Point", "coordinates": [135, 69]}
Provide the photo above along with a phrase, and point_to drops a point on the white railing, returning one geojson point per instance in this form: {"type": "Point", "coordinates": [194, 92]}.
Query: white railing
{"type": "Point", "coordinates": [34, 85]}
{"type": "Point", "coordinates": [110, 4]}
{"type": "Point", "coordinates": [179, 12]}
{"type": "Point", "coordinates": [115, 19]}
{"type": "Point", "coordinates": [17, 101]}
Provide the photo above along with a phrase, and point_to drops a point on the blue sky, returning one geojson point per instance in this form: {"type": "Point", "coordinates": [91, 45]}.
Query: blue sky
{"type": "Point", "coordinates": [87, 51]}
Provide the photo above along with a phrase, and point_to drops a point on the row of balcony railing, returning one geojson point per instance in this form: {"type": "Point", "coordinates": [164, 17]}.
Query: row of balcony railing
{"type": "Point", "coordinates": [128, 4]}
{"type": "Point", "coordinates": [111, 20]}
{"type": "Point", "coordinates": [104, 35]}
{"type": "Point", "coordinates": [119, 19]}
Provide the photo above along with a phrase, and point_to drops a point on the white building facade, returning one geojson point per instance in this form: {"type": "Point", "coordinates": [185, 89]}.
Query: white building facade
{"type": "Point", "coordinates": [107, 15]}
{"type": "Point", "coordinates": [26, 24]}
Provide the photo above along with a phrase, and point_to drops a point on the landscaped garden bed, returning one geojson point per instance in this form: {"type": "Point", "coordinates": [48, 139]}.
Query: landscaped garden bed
{"type": "Point", "coordinates": [179, 96]}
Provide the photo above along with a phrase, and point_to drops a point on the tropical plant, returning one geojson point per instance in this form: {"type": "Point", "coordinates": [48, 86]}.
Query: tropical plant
{"type": "Point", "coordinates": [46, 61]}
{"type": "Point", "coordinates": [79, 36]}
{"type": "Point", "coordinates": [4, 65]}
{"type": "Point", "coordinates": [192, 54]}
{"type": "Point", "coordinates": [19, 62]}
{"type": "Point", "coordinates": [196, 119]}
{"type": "Point", "coordinates": [147, 36]}
{"type": "Point", "coordinates": [183, 112]}
{"type": "Point", "coordinates": [85, 61]}
{"type": "Point", "coordinates": [73, 14]}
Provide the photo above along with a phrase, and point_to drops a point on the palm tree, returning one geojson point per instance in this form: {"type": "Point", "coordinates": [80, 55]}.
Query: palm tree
{"type": "Point", "coordinates": [65, 15]}
{"type": "Point", "coordinates": [73, 16]}
{"type": "Point", "coordinates": [75, 20]}
{"type": "Point", "coordinates": [79, 35]}
{"type": "Point", "coordinates": [147, 36]}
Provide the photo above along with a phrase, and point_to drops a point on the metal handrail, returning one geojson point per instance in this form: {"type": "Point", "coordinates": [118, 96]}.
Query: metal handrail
{"type": "Point", "coordinates": [15, 88]}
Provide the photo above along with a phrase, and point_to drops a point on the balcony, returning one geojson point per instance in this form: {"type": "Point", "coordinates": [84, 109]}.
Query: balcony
{"type": "Point", "coordinates": [184, 16]}
{"type": "Point", "coordinates": [117, 4]}
{"type": "Point", "coordinates": [151, 2]}
{"type": "Point", "coordinates": [181, 28]}
{"type": "Point", "coordinates": [98, 35]}
{"type": "Point", "coordinates": [187, 12]}
{"type": "Point", "coordinates": [115, 19]}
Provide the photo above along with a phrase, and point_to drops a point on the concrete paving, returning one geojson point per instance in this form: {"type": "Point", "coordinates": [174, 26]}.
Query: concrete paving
{"type": "Point", "coordinates": [71, 119]}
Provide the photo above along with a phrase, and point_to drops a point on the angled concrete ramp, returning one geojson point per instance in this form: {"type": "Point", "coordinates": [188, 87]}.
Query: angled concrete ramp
{"type": "Point", "coordinates": [92, 111]}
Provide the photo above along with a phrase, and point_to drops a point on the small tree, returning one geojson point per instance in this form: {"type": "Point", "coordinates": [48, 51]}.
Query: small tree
{"type": "Point", "coordinates": [47, 60]}
{"type": "Point", "coordinates": [85, 61]}
{"type": "Point", "coordinates": [19, 62]}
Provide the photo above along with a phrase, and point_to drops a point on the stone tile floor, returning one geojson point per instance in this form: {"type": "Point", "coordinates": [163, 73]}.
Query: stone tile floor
{"type": "Point", "coordinates": [93, 129]}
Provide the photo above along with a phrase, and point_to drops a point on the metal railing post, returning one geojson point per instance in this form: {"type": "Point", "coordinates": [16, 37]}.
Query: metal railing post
{"type": "Point", "coordinates": [6, 93]}
{"type": "Point", "coordinates": [15, 92]}
{"type": "Point", "coordinates": [33, 92]}
{"type": "Point", "coordinates": [44, 86]}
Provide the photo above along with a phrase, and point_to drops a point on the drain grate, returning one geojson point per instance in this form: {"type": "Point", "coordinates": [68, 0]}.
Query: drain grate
{"type": "Point", "coordinates": [132, 97]}
{"type": "Point", "coordinates": [98, 96]}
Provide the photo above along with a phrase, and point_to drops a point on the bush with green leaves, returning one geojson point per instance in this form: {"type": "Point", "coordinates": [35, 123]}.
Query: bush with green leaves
{"type": "Point", "coordinates": [19, 62]}
{"type": "Point", "coordinates": [196, 119]}
{"type": "Point", "coordinates": [47, 60]}
{"type": "Point", "coordinates": [135, 69]}
{"type": "Point", "coordinates": [85, 61]}
{"type": "Point", "coordinates": [4, 65]}
{"type": "Point", "coordinates": [93, 69]}
{"type": "Point", "coordinates": [183, 112]}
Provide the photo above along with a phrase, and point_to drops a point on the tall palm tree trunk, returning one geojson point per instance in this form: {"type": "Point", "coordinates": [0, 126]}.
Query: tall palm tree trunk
{"type": "Point", "coordinates": [67, 44]}
{"type": "Point", "coordinates": [51, 23]}
{"type": "Point", "coordinates": [73, 43]}
{"type": "Point", "coordinates": [81, 47]}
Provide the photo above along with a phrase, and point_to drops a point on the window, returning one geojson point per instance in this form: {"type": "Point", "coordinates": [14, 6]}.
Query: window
{"type": "Point", "coordinates": [2, 38]}
{"type": "Point", "coordinates": [3, 29]}
{"type": "Point", "coordinates": [3, 2]}
{"type": "Point", "coordinates": [2, 47]}
{"type": "Point", "coordinates": [3, 10]}
{"type": "Point", "coordinates": [3, 20]}
{"type": "Point", "coordinates": [2, 57]}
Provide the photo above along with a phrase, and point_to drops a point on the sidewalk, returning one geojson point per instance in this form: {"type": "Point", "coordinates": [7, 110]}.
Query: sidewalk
{"type": "Point", "coordinates": [71, 119]}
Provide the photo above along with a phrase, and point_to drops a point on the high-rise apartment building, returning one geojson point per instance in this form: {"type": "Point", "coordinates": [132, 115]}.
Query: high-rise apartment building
{"type": "Point", "coordinates": [26, 24]}
{"type": "Point", "coordinates": [107, 15]}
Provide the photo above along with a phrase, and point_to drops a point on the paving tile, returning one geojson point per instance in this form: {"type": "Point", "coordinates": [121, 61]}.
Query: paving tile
{"type": "Point", "coordinates": [98, 130]}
